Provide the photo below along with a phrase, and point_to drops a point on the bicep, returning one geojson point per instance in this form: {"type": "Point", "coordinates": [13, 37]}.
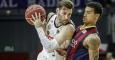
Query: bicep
{"type": "Point", "coordinates": [93, 42]}
{"type": "Point", "coordinates": [65, 34]}
{"type": "Point", "coordinates": [65, 44]}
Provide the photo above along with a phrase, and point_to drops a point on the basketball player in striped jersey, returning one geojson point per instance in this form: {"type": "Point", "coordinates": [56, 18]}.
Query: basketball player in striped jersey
{"type": "Point", "coordinates": [57, 33]}
{"type": "Point", "coordinates": [86, 41]}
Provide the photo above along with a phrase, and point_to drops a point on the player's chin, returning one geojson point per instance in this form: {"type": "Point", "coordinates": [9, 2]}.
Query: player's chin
{"type": "Point", "coordinates": [65, 22]}
{"type": "Point", "coordinates": [84, 21]}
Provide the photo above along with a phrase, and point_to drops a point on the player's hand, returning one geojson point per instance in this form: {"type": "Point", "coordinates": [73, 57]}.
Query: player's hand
{"type": "Point", "coordinates": [37, 20]}
{"type": "Point", "coordinates": [62, 52]}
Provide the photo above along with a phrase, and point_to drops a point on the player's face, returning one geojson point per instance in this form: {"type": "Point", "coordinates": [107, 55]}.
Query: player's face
{"type": "Point", "coordinates": [64, 14]}
{"type": "Point", "coordinates": [89, 15]}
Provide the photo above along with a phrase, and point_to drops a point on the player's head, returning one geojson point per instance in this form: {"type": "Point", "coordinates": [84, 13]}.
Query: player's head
{"type": "Point", "coordinates": [64, 10]}
{"type": "Point", "coordinates": [93, 12]}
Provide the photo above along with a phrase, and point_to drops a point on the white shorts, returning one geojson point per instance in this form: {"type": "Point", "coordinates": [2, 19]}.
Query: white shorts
{"type": "Point", "coordinates": [44, 55]}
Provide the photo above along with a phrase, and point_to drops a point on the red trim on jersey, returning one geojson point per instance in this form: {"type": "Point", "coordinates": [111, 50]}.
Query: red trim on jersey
{"type": "Point", "coordinates": [50, 37]}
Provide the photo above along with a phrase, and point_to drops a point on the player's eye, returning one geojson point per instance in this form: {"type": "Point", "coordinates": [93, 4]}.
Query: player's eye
{"type": "Point", "coordinates": [69, 14]}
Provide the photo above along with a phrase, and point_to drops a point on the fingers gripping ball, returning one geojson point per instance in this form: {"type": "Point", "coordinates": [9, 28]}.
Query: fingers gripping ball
{"type": "Point", "coordinates": [31, 11]}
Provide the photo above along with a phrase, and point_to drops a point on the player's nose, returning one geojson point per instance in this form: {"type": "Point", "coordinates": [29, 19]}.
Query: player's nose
{"type": "Point", "coordinates": [66, 17]}
{"type": "Point", "coordinates": [85, 14]}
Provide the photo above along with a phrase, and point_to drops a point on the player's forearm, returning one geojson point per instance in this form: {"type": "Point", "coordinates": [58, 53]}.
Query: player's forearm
{"type": "Point", "coordinates": [48, 44]}
{"type": "Point", "coordinates": [93, 54]}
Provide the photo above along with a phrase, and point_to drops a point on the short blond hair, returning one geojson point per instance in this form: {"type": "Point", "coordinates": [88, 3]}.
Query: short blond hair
{"type": "Point", "coordinates": [67, 3]}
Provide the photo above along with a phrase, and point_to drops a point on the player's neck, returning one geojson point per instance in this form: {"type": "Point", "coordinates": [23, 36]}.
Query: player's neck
{"type": "Point", "coordinates": [85, 26]}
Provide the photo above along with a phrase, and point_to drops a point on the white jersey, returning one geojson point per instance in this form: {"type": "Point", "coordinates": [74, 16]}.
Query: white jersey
{"type": "Point", "coordinates": [52, 31]}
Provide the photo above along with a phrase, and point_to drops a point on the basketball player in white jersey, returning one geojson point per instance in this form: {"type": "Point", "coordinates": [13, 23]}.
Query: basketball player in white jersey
{"type": "Point", "coordinates": [57, 33]}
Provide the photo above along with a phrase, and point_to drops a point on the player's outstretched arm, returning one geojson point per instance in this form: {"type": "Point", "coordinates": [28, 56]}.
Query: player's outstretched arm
{"type": "Point", "coordinates": [65, 33]}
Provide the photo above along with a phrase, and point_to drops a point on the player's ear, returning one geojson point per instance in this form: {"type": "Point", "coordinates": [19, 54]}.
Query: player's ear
{"type": "Point", "coordinates": [57, 10]}
{"type": "Point", "coordinates": [97, 16]}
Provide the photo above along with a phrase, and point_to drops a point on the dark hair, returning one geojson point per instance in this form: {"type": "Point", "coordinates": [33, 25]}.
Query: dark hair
{"type": "Point", "coordinates": [98, 9]}
{"type": "Point", "coordinates": [67, 3]}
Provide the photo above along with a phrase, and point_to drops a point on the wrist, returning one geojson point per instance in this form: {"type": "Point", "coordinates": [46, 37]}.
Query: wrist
{"type": "Point", "coordinates": [38, 26]}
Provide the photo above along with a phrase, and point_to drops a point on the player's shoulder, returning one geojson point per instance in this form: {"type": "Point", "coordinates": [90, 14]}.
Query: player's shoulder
{"type": "Point", "coordinates": [70, 24]}
{"type": "Point", "coordinates": [93, 38]}
{"type": "Point", "coordinates": [93, 35]}
{"type": "Point", "coordinates": [50, 15]}
{"type": "Point", "coordinates": [68, 27]}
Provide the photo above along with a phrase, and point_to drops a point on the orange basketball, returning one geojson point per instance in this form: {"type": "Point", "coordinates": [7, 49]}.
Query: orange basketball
{"type": "Point", "coordinates": [31, 11]}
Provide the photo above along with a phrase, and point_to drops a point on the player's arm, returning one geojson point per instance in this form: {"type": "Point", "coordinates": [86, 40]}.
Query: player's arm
{"type": "Point", "coordinates": [64, 34]}
{"type": "Point", "coordinates": [93, 43]}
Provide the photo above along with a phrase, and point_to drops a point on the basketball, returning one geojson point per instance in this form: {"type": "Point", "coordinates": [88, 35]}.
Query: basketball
{"type": "Point", "coordinates": [31, 11]}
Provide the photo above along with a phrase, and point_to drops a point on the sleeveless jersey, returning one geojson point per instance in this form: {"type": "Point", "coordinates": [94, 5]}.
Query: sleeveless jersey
{"type": "Point", "coordinates": [76, 50]}
{"type": "Point", "coordinates": [52, 31]}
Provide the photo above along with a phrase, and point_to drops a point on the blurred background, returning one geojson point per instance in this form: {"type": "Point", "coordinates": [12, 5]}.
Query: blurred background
{"type": "Point", "coordinates": [19, 40]}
